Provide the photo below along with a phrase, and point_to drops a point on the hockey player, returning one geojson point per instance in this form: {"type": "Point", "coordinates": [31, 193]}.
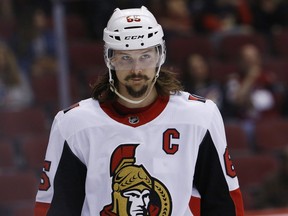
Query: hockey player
{"type": "Point", "coordinates": [140, 145]}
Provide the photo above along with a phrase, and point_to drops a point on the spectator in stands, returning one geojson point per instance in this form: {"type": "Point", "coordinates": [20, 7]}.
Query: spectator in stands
{"type": "Point", "coordinates": [34, 40]}
{"type": "Point", "coordinates": [223, 17]}
{"type": "Point", "coordinates": [250, 94]}
{"type": "Point", "coordinates": [175, 17]}
{"type": "Point", "coordinates": [252, 90]}
{"type": "Point", "coordinates": [97, 13]}
{"type": "Point", "coordinates": [7, 20]}
{"type": "Point", "coordinates": [42, 47]}
{"type": "Point", "coordinates": [197, 79]}
{"type": "Point", "coordinates": [44, 66]}
{"type": "Point", "coordinates": [274, 191]}
{"type": "Point", "coordinates": [43, 39]}
{"type": "Point", "coordinates": [269, 15]}
{"type": "Point", "coordinates": [15, 91]}
{"type": "Point", "coordinates": [6, 10]}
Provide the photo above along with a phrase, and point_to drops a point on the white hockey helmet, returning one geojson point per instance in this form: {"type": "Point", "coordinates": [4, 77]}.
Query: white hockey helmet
{"type": "Point", "coordinates": [133, 29]}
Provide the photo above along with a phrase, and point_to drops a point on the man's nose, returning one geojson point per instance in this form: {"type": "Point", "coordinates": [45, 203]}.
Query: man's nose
{"type": "Point", "coordinates": [137, 66]}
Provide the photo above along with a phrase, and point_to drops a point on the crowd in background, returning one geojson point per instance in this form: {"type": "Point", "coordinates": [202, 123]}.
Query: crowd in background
{"type": "Point", "coordinates": [31, 39]}
{"type": "Point", "coordinates": [249, 93]}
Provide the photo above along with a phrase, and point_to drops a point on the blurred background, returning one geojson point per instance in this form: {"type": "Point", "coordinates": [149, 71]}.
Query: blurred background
{"type": "Point", "coordinates": [234, 52]}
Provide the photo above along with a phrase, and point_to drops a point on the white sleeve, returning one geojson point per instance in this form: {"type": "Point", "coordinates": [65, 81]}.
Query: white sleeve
{"type": "Point", "coordinates": [52, 159]}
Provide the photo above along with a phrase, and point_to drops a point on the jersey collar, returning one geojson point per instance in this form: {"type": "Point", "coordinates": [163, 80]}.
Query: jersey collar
{"type": "Point", "coordinates": [134, 117]}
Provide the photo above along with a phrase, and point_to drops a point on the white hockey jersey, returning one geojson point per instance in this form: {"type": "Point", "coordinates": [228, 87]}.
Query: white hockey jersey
{"type": "Point", "coordinates": [169, 159]}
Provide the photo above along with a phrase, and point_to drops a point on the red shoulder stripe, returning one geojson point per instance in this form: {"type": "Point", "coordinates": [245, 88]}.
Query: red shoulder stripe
{"type": "Point", "coordinates": [194, 205]}
{"type": "Point", "coordinates": [238, 202]}
{"type": "Point", "coordinates": [196, 98]}
{"type": "Point", "coordinates": [41, 209]}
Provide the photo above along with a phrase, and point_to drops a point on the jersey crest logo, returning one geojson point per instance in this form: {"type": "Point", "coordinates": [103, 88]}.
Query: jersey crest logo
{"type": "Point", "coordinates": [133, 119]}
{"type": "Point", "coordinates": [134, 190]}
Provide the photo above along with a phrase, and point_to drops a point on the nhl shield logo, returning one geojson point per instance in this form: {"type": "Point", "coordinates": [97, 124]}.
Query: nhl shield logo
{"type": "Point", "coordinates": [133, 119]}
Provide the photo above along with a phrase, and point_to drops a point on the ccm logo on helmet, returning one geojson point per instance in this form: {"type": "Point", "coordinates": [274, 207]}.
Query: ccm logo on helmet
{"type": "Point", "coordinates": [134, 37]}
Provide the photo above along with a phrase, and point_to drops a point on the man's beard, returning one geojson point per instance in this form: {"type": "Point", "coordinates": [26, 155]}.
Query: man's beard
{"type": "Point", "coordinates": [137, 94]}
{"type": "Point", "coordinates": [131, 91]}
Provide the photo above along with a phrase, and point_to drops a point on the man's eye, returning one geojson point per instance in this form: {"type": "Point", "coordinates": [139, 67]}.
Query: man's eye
{"type": "Point", "coordinates": [146, 56]}
{"type": "Point", "coordinates": [126, 58]}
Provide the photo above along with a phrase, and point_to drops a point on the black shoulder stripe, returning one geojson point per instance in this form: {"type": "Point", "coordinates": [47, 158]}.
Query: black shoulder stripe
{"type": "Point", "coordinates": [69, 185]}
{"type": "Point", "coordinates": [196, 98]}
{"type": "Point", "coordinates": [71, 107]}
{"type": "Point", "coordinates": [210, 181]}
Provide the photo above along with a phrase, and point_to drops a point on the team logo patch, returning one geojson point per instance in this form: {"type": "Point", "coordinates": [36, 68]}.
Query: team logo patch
{"type": "Point", "coordinates": [134, 190]}
{"type": "Point", "coordinates": [133, 119]}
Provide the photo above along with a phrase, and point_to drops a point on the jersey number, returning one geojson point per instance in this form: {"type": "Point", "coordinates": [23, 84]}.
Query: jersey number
{"type": "Point", "coordinates": [168, 135]}
{"type": "Point", "coordinates": [230, 170]}
{"type": "Point", "coordinates": [45, 181]}
{"type": "Point", "coordinates": [133, 18]}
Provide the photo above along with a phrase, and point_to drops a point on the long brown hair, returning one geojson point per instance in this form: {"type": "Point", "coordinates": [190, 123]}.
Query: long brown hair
{"type": "Point", "coordinates": [166, 84]}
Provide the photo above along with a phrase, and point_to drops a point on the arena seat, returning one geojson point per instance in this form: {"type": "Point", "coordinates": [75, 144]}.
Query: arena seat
{"type": "Point", "coordinates": [252, 170]}
{"type": "Point", "coordinates": [46, 90]}
{"type": "Point", "coordinates": [7, 156]}
{"type": "Point", "coordinates": [272, 134]}
{"type": "Point", "coordinates": [26, 209]}
{"type": "Point", "coordinates": [85, 54]}
{"type": "Point", "coordinates": [15, 124]}
{"type": "Point", "coordinates": [237, 140]}
{"type": "Point", "coordinates": [279, 66]}
{"type": "Point", "coordinates": [17, 187]}
{"type": "Point", "coordinates": [280, 43]}
{"type": "Point", "coordinates": [75, 27]}
{"type": "Point", "coordinates": [30, 145]}
{"type": "Point", "coordinates": [7, 29]}
{"type": "Point", "coordinates": [220, 70]}
{"type": "Point", "coordinates": [180, 47]}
